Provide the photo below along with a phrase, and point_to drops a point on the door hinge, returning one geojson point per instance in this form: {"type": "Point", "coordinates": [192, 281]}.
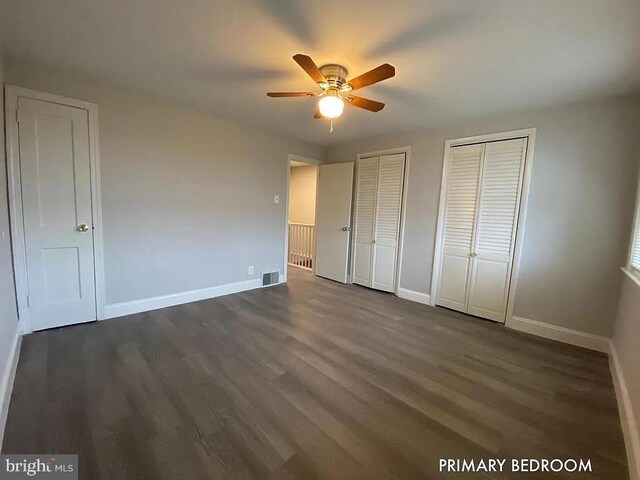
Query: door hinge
{"type": "Point", "coordinates": [28, 303]}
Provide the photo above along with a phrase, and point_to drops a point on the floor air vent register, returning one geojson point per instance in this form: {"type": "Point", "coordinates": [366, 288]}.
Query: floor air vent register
{"type": "Point", "coordinates": [270, 278]}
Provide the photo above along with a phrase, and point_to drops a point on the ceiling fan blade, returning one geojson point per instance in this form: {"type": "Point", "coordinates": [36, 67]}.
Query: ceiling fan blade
{"type": "Point", "coordinates": [376, 75]}
{"type": "Point", "coordinates": [365, 103]}
{"type": "Point", "coordinates": [310, 67]}
{"type": "Point", "coordinates": [317, 114]}
{"type": "Point", "coordinates": [289, 94]}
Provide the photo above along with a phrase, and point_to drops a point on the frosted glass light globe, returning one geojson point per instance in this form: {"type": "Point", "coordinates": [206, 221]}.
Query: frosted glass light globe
{"type": "Point", "coordinates": [331, 106]}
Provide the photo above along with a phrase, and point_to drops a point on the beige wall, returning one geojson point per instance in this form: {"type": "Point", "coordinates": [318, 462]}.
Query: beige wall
{"type": "Point", "coordinates": [8, 308]}
{"type": "Point", "coordinates": [580, 206]}
{"type": "Point", "coordinates": [302, 194]}
{"type": "Point", "coordinates": [188, 199]}
{"type": "Point", "coordinates": [626, 342]}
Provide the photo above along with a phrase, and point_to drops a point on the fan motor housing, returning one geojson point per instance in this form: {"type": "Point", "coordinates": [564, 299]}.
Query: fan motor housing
{"type": "Point", "coordinates": [336, 75]}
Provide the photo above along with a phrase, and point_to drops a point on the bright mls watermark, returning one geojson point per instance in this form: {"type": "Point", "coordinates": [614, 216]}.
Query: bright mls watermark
{"type": "Point", "coordinates": [51, 467]}
{"type": "Point", "coordinates": [520, 465]}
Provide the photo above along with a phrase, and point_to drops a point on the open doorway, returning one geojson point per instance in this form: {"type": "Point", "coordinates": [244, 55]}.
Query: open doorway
{"type": "Point", "coordinates": [301, 212]}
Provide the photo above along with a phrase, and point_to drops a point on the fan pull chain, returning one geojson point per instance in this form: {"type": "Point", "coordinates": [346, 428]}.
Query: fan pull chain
{"type": "Point", "coordinates": [331, 126]}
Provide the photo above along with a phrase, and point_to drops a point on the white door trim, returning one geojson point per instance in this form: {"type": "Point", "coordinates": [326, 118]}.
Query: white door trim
{"type": "Point", "coordinates": [311, 161]}
{"type": "Point", "coordinates": [407, 159]}
{"type": "Point", "coordinates": [15, 197]}
{"type": "Point", "coordinates": [530, 133]}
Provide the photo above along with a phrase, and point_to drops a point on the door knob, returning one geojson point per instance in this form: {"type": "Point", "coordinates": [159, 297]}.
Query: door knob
{"type": "Point", "coordinates": [373, 242]}
{"type": "Point", "coordinates": [345, 229]}
{"type": "Point", "coordinates": [473, 254]}
{"type": "Point", "coordinates": [83, 227]}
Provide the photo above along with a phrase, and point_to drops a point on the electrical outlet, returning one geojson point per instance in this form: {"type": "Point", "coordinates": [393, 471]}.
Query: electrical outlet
{"type": "Point", "coordinates": [251, 270]}
{"type": "Point", "coordinates": [276, 199]}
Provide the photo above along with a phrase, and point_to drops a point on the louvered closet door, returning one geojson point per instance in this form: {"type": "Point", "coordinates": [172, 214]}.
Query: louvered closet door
{"type": "Point", "coordinates": [387, 227]}
{"type": "Point", "coordinates": [502, 174]}
{"type": "Point", "coordinates": [367, 181]}
{"type": "Point", "coordinates": [459, 225]}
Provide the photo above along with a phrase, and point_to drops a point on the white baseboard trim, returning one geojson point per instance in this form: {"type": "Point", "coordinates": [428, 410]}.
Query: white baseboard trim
{"type": "Point", "coordinates": [627, 418]}
{"type": "Point", "coordinates": [561, 334]}
{"type": "Point", "coordinates": [6, 382]}
{"type": "Point", "coordinates": [146, 304]}
{"type": "Point", "coordinates": [414, 296]}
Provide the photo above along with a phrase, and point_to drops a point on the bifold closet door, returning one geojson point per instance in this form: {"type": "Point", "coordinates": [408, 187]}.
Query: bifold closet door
{"type": "Point", "coordinates": [499, 201]}
{"type": "Point", "coordinates": [367, 183]}
{"type": "Point", "coordinates": [459, 225]}
{"type": "Point", "coordinates": [388, 211]}
{"type": "Point", "coordinates": [377, 226]}
{"type": "Point", "coordinates": [483, 191]}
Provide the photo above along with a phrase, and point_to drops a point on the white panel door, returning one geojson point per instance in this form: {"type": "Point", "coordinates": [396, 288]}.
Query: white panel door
{"type": "Point", "coordinates": [387, 221]}
{"type": "Point", "coordinates": [461, 199]}
{"type": "Point", "coordinates": [367, 182]}
{"type": "Point", "coordinates": [56, 199]}
{"type": "Point", "coordinates": [333, 218]}
{"type": "Point", "coordinates": [502, 173]}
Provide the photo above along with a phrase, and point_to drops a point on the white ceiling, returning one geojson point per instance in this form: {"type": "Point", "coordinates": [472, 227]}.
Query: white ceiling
{"type": "Point", "coordinates": [455, 59]}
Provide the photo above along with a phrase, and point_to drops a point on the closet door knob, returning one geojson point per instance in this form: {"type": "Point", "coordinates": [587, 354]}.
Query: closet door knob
{"type": "Point", "coordinates": [473, 254]}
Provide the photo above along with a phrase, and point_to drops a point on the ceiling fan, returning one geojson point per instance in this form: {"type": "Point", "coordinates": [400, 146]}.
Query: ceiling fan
{"type": "Point", "coordinates": [336, 90]}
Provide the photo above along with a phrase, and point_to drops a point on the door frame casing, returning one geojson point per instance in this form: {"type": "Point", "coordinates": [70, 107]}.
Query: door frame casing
{"type": "Point", "coordinates": [530, 134]}
{"type": "Point", "coordinates": [12, 93]}
{"type": "Point", "coordinates": [312, 162]}
{"type": "Point", "coordinates": [403, 209]}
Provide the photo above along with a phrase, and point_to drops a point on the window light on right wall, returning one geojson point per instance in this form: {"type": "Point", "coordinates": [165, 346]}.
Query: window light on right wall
{"type": "Point", "coordinates": [634, 255]}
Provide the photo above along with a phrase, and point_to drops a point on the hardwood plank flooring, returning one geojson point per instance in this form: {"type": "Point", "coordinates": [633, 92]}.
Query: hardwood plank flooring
{"type": "Point", "coordinates": [313, 380]}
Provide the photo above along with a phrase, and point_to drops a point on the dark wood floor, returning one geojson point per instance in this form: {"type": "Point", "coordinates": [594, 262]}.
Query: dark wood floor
{"type": "Point", "coordinates": [314, 380]}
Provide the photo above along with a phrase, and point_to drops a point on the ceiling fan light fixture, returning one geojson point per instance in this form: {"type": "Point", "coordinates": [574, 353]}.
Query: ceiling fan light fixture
{"type": "Point", "coordinates": [336, 87]}
{"type": "Point", "coordinates": [331, 106]}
